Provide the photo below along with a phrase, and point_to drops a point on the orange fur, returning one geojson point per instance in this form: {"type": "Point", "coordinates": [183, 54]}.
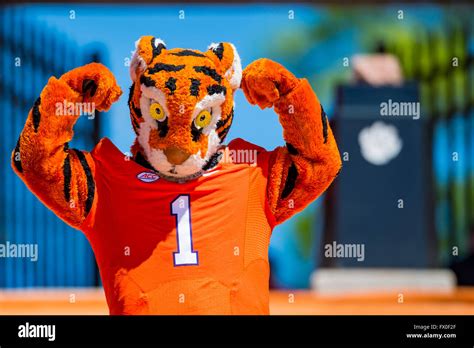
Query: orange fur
{"type": "Point", "coordinates": [41, 153]}
{"type": "Point", "coordinates": [317, 161]}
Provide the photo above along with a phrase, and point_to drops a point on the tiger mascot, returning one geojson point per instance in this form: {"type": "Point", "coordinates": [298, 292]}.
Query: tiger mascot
{"type": "Point", "coordinates": [183, 225]}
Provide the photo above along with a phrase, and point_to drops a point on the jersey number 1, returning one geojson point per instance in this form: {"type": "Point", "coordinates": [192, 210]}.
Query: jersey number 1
{"type": "Point", "coordinates": [185, 255]}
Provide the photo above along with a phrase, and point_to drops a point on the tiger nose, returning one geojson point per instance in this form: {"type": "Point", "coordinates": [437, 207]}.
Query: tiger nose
{"type": "Point", "coordinates": [175, 155]}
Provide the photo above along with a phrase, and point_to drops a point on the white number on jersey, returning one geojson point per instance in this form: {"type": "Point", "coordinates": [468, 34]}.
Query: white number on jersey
{"type": "Point", "coordinates": [185, 255]}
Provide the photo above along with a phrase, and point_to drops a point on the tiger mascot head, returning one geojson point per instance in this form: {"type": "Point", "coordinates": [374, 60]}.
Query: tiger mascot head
{"type": "Point", "coordinates": [181, 106]}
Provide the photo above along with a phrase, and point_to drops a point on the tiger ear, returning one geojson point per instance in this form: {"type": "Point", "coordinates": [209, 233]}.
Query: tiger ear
{"type": "Point", "coordinates": [146, 49]}
{"type": "Point", "coordinates": [227, 59]}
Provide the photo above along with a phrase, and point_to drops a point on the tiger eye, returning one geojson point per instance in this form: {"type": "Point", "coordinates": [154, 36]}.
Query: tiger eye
{"type": "Point", "coordinates": [157, 112]}
{"type": "Point", "coordinates": [203, 119]}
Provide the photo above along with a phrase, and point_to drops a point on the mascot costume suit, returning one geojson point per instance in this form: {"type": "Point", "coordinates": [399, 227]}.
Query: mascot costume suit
{"type": "Point", "coordinates": [183, 225]}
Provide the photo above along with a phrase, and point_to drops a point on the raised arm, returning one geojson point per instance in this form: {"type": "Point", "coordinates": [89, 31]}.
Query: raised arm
{"type": "Point", "coordinates": [63, 178]}
{"type": "Point", "coordinates": [306, 166]}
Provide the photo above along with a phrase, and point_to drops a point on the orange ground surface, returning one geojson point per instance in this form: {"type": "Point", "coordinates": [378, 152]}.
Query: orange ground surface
{"type": "Point", "coordinates": [92, 301]}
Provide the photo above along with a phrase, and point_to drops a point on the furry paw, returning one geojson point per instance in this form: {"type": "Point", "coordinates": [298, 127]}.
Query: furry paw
{"type": "Point", "coordinates": [95, 83]}
{"type": "Point", "coordinates": [265, 81]}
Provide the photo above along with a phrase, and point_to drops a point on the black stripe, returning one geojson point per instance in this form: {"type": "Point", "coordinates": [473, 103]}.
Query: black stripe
{"type": "Point", "coordinates": [17, 162]}
{"type": "Point", "coordinates": [163, 128]}
{"type": "Point", "coordinates": [290, 181]}
{"type": "Point", "coordinates": [209, 72]}
{"type": "Point", "coordinates": [324, 119]}
{"type": "Point", "coordinates": [213, 161]}
{"type": "Point", "coordinates": [90, 86]}
{"type": "Point", "coordinates": [223, 122]}
{"type": "Point", "coordinates": [130, 93]}
{"type": "Point", "coordinates": [213, 89]}
{"type": "Point", "coordinates": [67, 178]}
{"type": "Point", "coordinates": [219, 51]}
{"type": "Point", "coordinates": [147, 81]}
{"type": "Point", "coordinates": [194, 89]}
{"type": "Point", "coordinates": [195, 132]}
{"type": "Point", "coordinates": [140, 159]}
{"type": "Point", "coordinates": [138, 111]}
{"type": "Point", "coordinates": [186, 53]}
{"type": "Point", "coordinates": [171, 84]}
{"type": "Point", "coordinates": [36, 114]}
{"type": "Point", "coordinates": [291, 149]}
{"type": "Point", "coordinates": [223, 133]}
{"type": "Point", "coordinates": [90, 180]}
{"type": "Point", "coordinates": [165, 67]}
{"type": "Point", "coordinates": [157, 49]}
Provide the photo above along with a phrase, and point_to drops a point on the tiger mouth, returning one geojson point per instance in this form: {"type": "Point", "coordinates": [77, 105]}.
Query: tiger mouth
{"type": "Point", "coordinates": [174, 171]}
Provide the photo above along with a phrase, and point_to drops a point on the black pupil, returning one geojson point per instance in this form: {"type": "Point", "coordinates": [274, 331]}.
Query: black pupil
{"type": "Point", "coordinates": [203, 117]}
{"type": "Point", "coordinates": [158, 111]}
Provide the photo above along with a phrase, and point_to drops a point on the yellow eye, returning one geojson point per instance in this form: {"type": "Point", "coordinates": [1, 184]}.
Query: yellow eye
{"type": "Point", "coordinates": [203, 119]}
{"type": "Point", "coordinates": [157, 112]}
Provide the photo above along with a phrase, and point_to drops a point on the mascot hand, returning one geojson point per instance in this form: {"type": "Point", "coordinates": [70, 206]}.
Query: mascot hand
{"type": "Point", "coordinates": [95, 84]}
{"type": "Point", "coordinates": [265, 81]}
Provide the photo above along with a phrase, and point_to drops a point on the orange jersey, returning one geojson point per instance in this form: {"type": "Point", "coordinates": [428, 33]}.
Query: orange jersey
{"type": "Point", "coordinates": [199, 247]}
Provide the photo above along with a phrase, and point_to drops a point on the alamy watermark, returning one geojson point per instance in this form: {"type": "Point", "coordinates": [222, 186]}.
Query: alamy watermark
{"type": "Point", "coordinates": [26, 251]}
{"type": "Point", "coordinates": [28, 330]}
{"type": "Point", "coordinates": [66, 108]}
{"type": "Point", "coordinates": [341, 250]}
{"type": "Point", "coordinates": [395, 108]}
{"type": "Point", "coordinates": [240, 156]}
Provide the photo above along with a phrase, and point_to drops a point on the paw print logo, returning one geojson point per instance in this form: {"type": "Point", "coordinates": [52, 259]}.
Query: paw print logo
{"type": "Point", "coordinates": [380, 143]}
